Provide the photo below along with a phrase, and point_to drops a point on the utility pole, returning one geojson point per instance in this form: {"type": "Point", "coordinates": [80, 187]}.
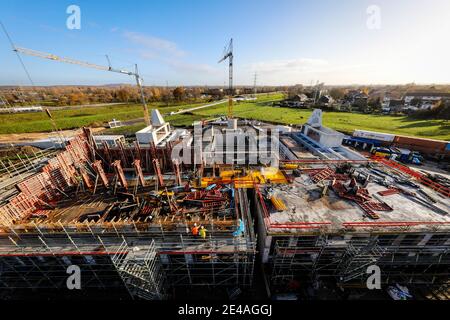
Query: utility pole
{"type": "Point", "coordinates": [254, 85]}
{"type": "Point", "coordinates": [167, 93]}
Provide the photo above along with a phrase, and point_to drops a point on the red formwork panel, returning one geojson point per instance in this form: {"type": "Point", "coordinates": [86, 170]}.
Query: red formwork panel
{"type": "Point", "coordinates": [44, 187]}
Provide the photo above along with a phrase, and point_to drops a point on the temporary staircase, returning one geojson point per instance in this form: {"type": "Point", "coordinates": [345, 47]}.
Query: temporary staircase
{"type": "Point", "coordinates": [358, 256]}
{"type": "Point", "coordinates": [140, 270]}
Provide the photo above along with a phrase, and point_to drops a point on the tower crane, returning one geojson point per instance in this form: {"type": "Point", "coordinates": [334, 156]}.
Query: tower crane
{"type": "Point", "coordinates": [53, 57]}
{"type": "Point", "coordinates": [228, 54]}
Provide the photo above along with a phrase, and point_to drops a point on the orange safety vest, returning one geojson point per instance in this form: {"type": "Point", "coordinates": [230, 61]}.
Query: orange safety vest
{"type": "Point", "coordinates": [195, 231]}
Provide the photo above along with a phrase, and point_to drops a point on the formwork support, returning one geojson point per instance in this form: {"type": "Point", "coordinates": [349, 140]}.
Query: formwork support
{"type": "Point", "coordinates": [177, 171]}
{"type": "Point", "coordinates": [119, 173]}
{"type": "Point", "coordinates": [138, 172]}
{"type": "Point", "coordinates": [97, 165]}
{"type": "Point", "coordinates": [158, 174]}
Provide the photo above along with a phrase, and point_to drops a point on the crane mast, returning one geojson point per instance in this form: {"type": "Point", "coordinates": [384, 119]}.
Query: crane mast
{"type": "Point", "coordinates": [228, 54]}
{"type": "Point", "coordinates": [53, 57]}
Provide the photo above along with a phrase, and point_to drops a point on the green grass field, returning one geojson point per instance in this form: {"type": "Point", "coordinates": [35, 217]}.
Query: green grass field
{"type": "Point", "coordinates": [344, 122]}
{"type": "Point", "coordinates": [261, 109]}
{"type": "Point", "coordinates": [75, 118]}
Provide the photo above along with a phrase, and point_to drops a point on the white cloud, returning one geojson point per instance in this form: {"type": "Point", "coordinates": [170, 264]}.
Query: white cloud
{"type": "Point", "coordinates": [289, 65]}
{"type": "Point", "coordinates": [306, 70]}
{"type": "Point", "coordinates": [153, 46]}
{"type": "Point", "coordinates": [167, 52]}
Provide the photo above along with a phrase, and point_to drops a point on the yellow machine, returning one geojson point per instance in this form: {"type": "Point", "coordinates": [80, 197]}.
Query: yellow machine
{"type": "Point", "coordinates": [251, 178]}
{"type": "Point", "coordinates": [290, 166]}
{"type": "Point", "coordinates": [278, 203]}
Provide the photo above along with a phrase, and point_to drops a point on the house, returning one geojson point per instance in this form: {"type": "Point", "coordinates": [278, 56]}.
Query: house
{"type": "Point", "coordinates": [243, 98]}
{"type": "Point", "coordinates": [424, 100]}
{"type": "Point", "coordinates": [326, 100]}
{"type": "Point", "coordinates": [215, 93]}
{"type": "Point", "coordinates": [297, 101]}
{"type": "Point", "coordinates": [392, 105]}
{"type": "Point", "coordinates": [356, 98]}
{"type": "Point", "coordinates": [299, 98]}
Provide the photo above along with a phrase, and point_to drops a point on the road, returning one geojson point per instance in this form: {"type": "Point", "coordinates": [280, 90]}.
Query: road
{"type": "Point", "coordinates": [139, 120]}
{"type": "Point", "coordinates": [197, 108]}
{"type": "Point", "coordinates": [82, 106]}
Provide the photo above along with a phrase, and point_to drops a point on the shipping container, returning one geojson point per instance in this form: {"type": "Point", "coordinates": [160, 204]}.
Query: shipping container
{"type": "Point", "coordinates": [415, 143]}
{"type": "Point", "coordinates": [422, 149]}
{"type": "Point", "coordinates": [386, 137]}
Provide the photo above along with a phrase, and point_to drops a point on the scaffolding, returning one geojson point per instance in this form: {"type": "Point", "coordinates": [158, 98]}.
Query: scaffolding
{"type": "Point", "coordinates": [140, 270]}
{"type": "Point", "coordinates": [147, 259]}
{"type": "Point", "coordinates": [218, 262]}
{"type": "Point", "coordinates": [410, 259]}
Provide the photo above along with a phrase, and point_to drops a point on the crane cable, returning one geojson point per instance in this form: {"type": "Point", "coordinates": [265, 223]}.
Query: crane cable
{"type": "Point", "coordinates": [57, 130]}
{"type": "Point", "coordinates": [17, 54]}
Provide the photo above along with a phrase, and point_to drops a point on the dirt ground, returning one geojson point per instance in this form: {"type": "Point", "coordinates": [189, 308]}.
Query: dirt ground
{"type": "Point", "coordinates": [13, 138]}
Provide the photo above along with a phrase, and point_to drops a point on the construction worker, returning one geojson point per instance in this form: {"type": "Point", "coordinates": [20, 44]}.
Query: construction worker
{"type": "Point", "coordinates": [195, 230]}
{"type": "Point", "coordinates": [202, 232]}
{"type": "Point", "coordinates": [240, 230]}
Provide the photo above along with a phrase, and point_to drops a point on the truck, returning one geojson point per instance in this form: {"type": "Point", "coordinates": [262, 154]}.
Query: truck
{"type": "Point", "coordinates": [399, 154]}
{"type": "Point", "coordinates": [408, 156]}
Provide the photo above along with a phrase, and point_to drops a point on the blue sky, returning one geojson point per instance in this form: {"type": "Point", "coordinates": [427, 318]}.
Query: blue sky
{"type": "Point", "coordinates": [284, 41]}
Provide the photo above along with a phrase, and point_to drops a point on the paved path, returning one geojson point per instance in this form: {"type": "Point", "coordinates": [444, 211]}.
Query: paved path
{"type": "Point", "coordinates": [200, 107]}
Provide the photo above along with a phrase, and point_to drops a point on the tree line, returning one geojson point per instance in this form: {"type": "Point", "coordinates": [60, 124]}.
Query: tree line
{"type": "Point", "coordinates": [79, 95]}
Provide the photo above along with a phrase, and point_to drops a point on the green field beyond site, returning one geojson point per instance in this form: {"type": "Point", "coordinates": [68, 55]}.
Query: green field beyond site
{"type": "Point", "coordinates": [261, 109]}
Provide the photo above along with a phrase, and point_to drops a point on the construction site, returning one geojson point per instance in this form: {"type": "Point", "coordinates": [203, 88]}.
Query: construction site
{"type": "Point", "coordinates": [339, 216]}
{"type": "Point", "coordinates": [123, 211]}
{"type": "Point", "coordinates": [216, 207]}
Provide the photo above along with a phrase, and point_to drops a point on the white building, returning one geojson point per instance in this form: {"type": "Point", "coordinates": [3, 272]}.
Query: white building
{"type": "Point", "coordinates": [158, 131]}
